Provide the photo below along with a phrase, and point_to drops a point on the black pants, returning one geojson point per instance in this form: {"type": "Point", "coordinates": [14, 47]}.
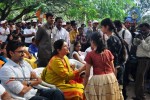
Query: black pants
{"type": "Point", "coordinates": [48, 94]}
{"type": "Point", "coordinates": [143, 66]}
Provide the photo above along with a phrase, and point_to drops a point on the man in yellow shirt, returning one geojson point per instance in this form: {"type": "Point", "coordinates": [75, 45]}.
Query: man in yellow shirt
{"type": "Point", "coordinates": [73, 34]}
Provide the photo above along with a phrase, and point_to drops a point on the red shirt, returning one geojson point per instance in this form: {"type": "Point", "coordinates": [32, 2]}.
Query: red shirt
{"type": "Point", "coordinates": [101, 62]}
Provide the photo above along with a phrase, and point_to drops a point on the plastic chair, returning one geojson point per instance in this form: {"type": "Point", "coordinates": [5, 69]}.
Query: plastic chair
{"type": "Point", "coordinates": [76, 63]}
{"type": "Point", "coordinates": [38, 72]}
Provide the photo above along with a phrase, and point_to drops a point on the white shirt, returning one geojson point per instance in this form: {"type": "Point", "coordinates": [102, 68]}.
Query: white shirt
{"type": "Point", "coordinates": [2, 91]}
{"type": "Point", "coordinates": [4, 33]}
{"type": "Point", "coordinates": [61, 34]}
{"type": "Point", "coordinates": [29, 31]}
{"type": "Point", "coordinates": [19, 73]}
{"type": "Point", "coordinates": [127, 36]}
{"type": "Point", "coordinates": [81, 56]}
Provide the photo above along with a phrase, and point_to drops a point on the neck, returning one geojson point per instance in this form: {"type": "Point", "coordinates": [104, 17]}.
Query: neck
{"type": "Point", "coordinates": [60, 56]}
{"type": "Point", "coordinates": [109, 34]}
{"type": "Point", "coordinates": [16, 61]}
{"type": "Point", "coordinates": [59, 28]}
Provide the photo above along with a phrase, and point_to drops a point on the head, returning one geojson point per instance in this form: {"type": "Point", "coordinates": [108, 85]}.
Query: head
{"type": "Point", "coordinates": [28, 25]}
{"type": "Point", "coordinates": [74, 25]}
{"type": "Point", "coordinates": [3, 49]}
{"type": "Point", "coordinates": [15, 51]}
{"type": "Point", "coordinates": [10, 37]}
{"type": "Point", "coordinates": [80, 29]}
{"type": "Point", "coordinates": [60, 48]}
{"type": "Point", "coordinates": [77, 46]}
{"type": "Point", "coordinates": [107, 26]}
{"type": "Point", "coordinates": [50, 18]}
{"type": "Point", "coordinates": [83, 25]}
{"type": "Point", "coordinates": [97, 42]}
{"type": "Point", "coordinates": [33, 41]}
{"type": "Point", "coordinates": [95, 23]}
{"type": "Point", "coordinates": [144, 28]}
{"type": "Point", "coordinates": [90, 23]}
{"type": "Point", "coordinates": [58, 22]}
{"type": "Point", "coordinates": [118, 25]}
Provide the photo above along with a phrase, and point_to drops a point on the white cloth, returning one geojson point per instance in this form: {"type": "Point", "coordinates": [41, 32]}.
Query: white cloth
{"type": "Point", "coordinates": [4, 33]}
{"type": "Point", "coordinates": [61, 34]}
{"type": "Point", "coordinates": [127, 36]}
{"type": "Point", "coordinates": [2, 91]}
{"type": "Point", "coordinates": [143, 47]}
{"type": "Point", "coordinates": [81, 56]}
{"type": "Point", "coordinates": [28, 31]}
{"type": "Point", "coordinates": [19, 73]}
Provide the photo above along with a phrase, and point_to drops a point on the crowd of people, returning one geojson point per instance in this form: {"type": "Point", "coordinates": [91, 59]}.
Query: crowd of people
{"type": "Point", "coordinates": [112, 53]}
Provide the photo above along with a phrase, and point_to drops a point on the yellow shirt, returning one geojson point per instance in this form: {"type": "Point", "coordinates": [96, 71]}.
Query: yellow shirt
{"type": "Point", "coordinates": [73, 34]}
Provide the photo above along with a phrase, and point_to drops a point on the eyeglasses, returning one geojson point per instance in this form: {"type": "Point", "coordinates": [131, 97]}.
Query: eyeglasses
{"type": "Point", "coordinates": [20, 52]}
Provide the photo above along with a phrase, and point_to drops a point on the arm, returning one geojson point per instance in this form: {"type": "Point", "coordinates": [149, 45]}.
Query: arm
{"type": "Point", "coordinates": [146, 45]}
{"type": "Point", "coordinates": [76, 56]}
{"type": "Point", "coordinates": [6, 96]}
{"type": "Point", "coordinates": [38, 36]}
{"type": "Point", "coordinates": [87, 74]}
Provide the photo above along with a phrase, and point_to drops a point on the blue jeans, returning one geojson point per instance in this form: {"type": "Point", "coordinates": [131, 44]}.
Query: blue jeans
{"type": "Point", "coordinates": [48, 94]}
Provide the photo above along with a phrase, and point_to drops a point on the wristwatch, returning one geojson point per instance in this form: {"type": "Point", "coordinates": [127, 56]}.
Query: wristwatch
{"type": "Point", "coordinates": [29, 83]}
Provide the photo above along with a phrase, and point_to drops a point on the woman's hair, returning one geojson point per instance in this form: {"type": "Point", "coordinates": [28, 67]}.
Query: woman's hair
{"type": "Point", "coordinates": [75, 44]}
{"type": "Point", "coordinates": [2, 47]}
{"type": "Point", "coordinates": [57, 45]}
{"type": "Point", "coordinates": [98, 41]}
{"type": "Point", "coordinates": [108, 22]}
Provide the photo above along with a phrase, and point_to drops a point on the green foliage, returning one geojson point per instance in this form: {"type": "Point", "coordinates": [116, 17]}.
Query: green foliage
{"type": "Point", "coordinates": [80, 10]}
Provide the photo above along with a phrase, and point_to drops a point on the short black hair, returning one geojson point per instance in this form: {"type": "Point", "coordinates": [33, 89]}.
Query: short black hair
{"type": "Point", "coordinates": [57, 18]}
{"type": "Point", "coordinates": [144, 24]}
{"type": "Point", "coordinates": [49, 14]}
{"type": "Point", "coordinates": [12, 46]}
{"type": "Point", "coordinates": [118, 24]}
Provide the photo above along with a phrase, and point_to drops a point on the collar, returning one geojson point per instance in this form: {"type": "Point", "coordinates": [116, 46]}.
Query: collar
{"type": "Point", "coordinates": [14, 64]}
{"type": "Point", "coordinates": [49, 26]}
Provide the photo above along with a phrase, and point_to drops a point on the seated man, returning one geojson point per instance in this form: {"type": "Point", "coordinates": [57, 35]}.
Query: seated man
{"type": "Point", "coordinates": [3, 94]}
{"type": "Point", "coordinates": [17, 75]}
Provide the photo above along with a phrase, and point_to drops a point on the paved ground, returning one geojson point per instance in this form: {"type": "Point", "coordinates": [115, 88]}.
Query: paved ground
{"type": "Point", "coordinates": [130, 93]}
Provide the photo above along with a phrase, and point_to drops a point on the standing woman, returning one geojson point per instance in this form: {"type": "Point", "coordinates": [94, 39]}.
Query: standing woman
{"type": "Point", "coordinates": [103, 85]}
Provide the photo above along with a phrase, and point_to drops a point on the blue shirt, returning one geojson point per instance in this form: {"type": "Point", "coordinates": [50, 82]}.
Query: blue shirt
{"type": "Point", "coordinates": [33, 49]}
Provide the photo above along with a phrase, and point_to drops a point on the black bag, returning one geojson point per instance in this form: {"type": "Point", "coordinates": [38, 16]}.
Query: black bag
{"type": "Point", "coordinates": [131, 58]}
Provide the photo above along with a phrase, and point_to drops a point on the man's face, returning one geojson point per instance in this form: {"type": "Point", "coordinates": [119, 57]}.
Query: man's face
{"type": "Point", "coordinates": [127, 24]}
{"type": "Point", "coordinates": [144, 30]}
{"type": "Point", "coordinates": [59, 23]}
{"type": "Point", "coordinates": [50, 20]}
{"type": "Point", "coordinates": [18, 54]}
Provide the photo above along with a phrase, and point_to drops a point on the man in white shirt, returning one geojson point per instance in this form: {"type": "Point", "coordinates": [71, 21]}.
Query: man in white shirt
{"type": "Point", "coordinates": [59, 32]}
{"type": "Point", "coordinates": [123, 33]}
{"type": "Point", "coordinates": [17, 75]}
{"type": "Point", "coordinates": [28, 33]}
{"type": "Point", "coordinates": [4, 31]}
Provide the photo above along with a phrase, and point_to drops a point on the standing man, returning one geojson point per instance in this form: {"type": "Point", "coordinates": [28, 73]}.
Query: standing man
{"type": "Point", "coordinates": [44, 39]}
{"type": "Point", "coordinates": [59, 32]}
{"type": "Point", "coordinates": [142, 40]}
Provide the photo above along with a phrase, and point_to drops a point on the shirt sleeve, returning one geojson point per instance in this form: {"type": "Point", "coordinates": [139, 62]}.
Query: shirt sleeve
{"type": "Point", "coordinates": [39, 34]}
{"type": "Point", "coordinates": [88, 58]}
{"type": "Point", "coordinates": [13, 85]}
{"type": "Point", "coordinates": [110, 56]}
{"type": "Point", "coordinates": [2, 90]}
{"type": "Point", "coordinates": [59, 68]}
{"type": "Point", "coordinates": [128, 37]}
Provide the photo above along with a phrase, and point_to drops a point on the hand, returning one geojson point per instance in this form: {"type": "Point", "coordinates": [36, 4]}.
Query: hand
{"type": "Point", "coordinates": [33, 75]}
{"type": "Point", "coordinates": [139, 36]}
{"type": "Point", "coordinates": [82, 69]}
